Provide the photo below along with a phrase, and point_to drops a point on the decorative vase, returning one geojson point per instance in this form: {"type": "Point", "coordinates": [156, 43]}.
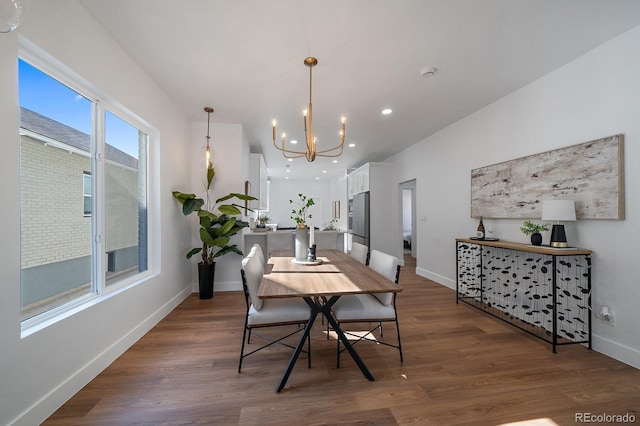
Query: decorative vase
{"type": "Point", "coordinates": [206, 276]}
{"type": "Point", "coordinates": [536, 239]}
{"type": "Point", "coordinates": [302, 242]}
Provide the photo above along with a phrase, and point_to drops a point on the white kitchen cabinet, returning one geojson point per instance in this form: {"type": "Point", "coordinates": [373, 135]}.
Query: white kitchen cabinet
{"type": "Point", "coordinates": [258, 179]}
{"type": "Point", "coordinates": [358, 180]}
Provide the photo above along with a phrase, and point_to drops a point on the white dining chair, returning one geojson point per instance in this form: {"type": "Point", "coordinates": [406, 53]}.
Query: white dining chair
{"type": "Point", "coordinates": [268, 312]}
{"type": "Point", "coordinates": [360, 252]}
{"type": "Point", "coordinates": [377, 307]}
{"type": "Point", "coordinates": [257, 250]}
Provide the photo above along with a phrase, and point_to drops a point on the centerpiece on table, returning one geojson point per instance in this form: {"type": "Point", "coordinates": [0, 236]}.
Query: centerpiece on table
{"type": "Point", "coordinates": [300, 215]}
{"type": "Point", "coordinates": [533, 229]}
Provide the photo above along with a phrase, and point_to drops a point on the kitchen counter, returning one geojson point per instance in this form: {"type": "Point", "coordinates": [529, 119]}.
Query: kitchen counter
{"type": "Point", "coordinates": [324, 239]}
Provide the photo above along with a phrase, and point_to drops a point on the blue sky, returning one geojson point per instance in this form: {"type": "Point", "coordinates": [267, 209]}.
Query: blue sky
{"type": "Point", "coordinates": [47, 96]}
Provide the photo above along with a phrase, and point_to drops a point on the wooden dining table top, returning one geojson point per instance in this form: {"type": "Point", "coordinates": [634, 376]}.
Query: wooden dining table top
{"type": "Point", "coordinates": [338, 274]}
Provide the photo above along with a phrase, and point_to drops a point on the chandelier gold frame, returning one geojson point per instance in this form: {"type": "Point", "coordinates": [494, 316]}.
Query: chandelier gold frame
{"type": "Point", "coordinates": [311, 151]}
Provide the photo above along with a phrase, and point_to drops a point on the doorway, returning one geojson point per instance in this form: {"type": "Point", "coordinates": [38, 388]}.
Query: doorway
{"type": "Point", "coordinates": [408, 210]}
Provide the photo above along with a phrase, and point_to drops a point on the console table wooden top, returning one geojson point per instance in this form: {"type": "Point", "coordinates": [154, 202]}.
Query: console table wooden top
{"type": "Point", "coordinates": [528, 247]}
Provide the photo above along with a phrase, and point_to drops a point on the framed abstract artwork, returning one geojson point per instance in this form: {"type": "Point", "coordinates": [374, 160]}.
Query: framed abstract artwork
{"type": "Point", "coordinates": [590, 173]}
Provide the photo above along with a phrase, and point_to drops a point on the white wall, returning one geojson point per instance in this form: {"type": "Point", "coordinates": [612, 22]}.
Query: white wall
{"type": "Point", "coordinates": [281, 191]}
{"type": "Point", "coordinates": [40, 372]}
{"type": "Point", "coordinates": [595, 96]}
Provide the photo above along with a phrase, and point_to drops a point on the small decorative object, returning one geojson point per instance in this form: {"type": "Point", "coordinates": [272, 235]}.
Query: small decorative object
{"type": "Point", "coordinates": [263, 219]}
{"type": "Point", "coordinates": [533, 229]}
{"type": "Point", "coordinates": [480, 232]}
{"type": "Point", "coordinates": [311, 255]}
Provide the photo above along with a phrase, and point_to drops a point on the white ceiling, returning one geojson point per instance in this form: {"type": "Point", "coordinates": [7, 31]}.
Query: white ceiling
{"type": "Point", "coordinates": [245, 59]}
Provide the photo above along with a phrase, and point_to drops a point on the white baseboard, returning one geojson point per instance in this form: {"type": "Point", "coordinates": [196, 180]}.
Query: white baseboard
{"type": "Point", "coordinates": [49, 403]}
{"type": "Point", "coordinates": [616, 351]}
{"type": "Point", "coordinates": [447, 282]}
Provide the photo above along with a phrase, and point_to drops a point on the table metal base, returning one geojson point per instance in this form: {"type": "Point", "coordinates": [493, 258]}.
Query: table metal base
{"type": "Point", "coordinates": [317, 306]}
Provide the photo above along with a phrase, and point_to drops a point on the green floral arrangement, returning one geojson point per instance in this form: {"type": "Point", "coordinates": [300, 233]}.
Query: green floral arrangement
{"type": "Point", "coordinates": [301, 215]}
{"type": "Point", "coordinates": [529, 228]}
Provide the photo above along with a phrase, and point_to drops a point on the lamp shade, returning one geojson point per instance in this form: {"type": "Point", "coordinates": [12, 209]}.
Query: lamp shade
{"type": "Point", "coordinates": [558, 210]}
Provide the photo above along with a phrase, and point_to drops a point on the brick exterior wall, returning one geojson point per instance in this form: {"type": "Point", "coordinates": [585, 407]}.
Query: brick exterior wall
{"type": "Point", "coordinates": [54, 228]}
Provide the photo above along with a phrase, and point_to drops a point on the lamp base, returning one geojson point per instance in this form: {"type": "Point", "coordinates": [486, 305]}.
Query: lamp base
{"type": "Point", "coordinates": [558, 237]}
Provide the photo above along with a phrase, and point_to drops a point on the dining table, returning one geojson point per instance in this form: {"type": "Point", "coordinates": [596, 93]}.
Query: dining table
{"type": "Point", "coordinates": [321, 283]}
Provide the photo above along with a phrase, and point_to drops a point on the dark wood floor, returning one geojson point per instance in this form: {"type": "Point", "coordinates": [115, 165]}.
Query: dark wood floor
{"type": "Point", "coordinates": [461, 366]}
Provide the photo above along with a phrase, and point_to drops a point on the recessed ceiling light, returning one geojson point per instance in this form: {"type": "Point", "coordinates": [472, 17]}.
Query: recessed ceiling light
{"type": "Point", "coordinates": [324, 171]}
{"type": "Point", "coordinates": [317, 178]}
{"type": "Point", "coordinates": [288, 170]}
{"type": "Point", "coordinates": [334, 161]}
{"type": "Point", "coordinates": [387, 111]}
{"type": "Point", "coordinates": [351, 145]}
{"type": "Point", "coordinates": [293, 141]}
{"type": "Point", "coordinates": [289, 159]}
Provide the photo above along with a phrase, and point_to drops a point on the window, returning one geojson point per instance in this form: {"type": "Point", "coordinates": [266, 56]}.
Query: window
{"type": "Point", "coordinates": [86, 193]}
{"type": "Point", "coordinates": [66, 132]}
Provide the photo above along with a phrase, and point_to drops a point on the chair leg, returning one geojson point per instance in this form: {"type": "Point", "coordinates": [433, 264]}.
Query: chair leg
{"type": "Point", "coordinates": [244, 335]}
{"type": "Point", "coordinates": [399, 343]}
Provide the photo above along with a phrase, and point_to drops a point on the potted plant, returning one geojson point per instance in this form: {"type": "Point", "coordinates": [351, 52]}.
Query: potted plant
{"type": "Point", "coordinates": [533, 229]}
{"type": "Point", "coordinates": [300, 216]}
{"type": "Point", "coordinates": [263, 219]}
{"type": "Point", "coordinates": [218, 222]}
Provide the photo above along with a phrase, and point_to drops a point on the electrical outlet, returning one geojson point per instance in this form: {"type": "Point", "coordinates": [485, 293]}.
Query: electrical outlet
{"type": "Point", "coordinates": [606, 315]}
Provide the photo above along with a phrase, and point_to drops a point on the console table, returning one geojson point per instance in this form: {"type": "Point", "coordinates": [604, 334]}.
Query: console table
{"type": "Point", "coordinates": [542, 290]}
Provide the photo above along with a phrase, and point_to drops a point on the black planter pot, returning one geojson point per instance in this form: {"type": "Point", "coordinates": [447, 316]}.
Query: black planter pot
{"type": "Point", "coordinates": [206, 275]}
{"type": "Point", "coordinates": [536, 239]}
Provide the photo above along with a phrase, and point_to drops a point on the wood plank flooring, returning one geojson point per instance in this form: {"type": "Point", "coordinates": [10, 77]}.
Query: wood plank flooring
{"type": "Point", "coordinates": [461, 367]}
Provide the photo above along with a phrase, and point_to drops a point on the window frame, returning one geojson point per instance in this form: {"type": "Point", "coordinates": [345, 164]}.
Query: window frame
{"type": "Point", "coordinates": [101, 103]}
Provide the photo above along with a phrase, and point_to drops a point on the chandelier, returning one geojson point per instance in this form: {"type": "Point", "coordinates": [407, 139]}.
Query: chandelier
{"type": "Point", "coordinates": [311, 151]}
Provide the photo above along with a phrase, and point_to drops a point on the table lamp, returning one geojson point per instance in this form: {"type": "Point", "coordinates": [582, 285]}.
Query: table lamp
{"type": "Point", "coordinates": [558, 210]}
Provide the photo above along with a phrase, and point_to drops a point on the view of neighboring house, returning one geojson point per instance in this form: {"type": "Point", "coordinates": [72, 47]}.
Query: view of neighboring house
{"type": "Point", "coordinates": [57, 211]}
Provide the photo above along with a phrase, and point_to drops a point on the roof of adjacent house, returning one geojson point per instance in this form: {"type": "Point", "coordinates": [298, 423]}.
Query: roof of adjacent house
{"type": "Point", "coordinates": [41, 125]}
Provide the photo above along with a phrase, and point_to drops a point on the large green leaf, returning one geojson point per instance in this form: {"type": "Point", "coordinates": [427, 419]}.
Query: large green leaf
{"type": "Point", "coordinates": [220, 242]}
{"type": "Point", "coordinates": [225, 228]}
{"type": "Point", "coordinates": [229, 209]}
{"type": "Point", "coordinates": [237, 195]}
{"type": "Point", "coordinates": [206, 238]}
{"type": "Point", "coordinates": [210, 174]}
{"type": "Point", "coordinates": [194, 251]}
{"type": "Point", "coordinates": [228, 249]}
{"type": "Point", "coordinates": [191, 205]}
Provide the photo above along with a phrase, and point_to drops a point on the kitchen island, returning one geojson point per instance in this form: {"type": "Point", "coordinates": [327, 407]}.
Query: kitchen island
{"type": "Point", "coordinates": [283, 239]}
